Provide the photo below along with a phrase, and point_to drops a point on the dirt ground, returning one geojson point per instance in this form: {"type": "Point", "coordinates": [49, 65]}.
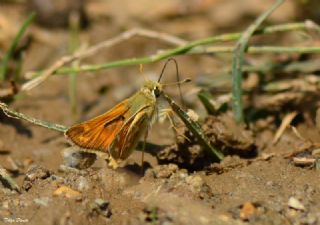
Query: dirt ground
{"type": "Point", "coordinates": [262, 180]}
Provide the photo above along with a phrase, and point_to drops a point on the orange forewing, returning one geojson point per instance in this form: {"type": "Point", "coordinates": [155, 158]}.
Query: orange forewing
{"type": "Point", "coordinates": [99, 132]}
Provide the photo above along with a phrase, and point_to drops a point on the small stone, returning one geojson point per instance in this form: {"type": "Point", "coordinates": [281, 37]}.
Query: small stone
{"type": "Point", "coordinates": [317, 164]}
{"type": "Point", "coordinates": [67, 192]}
{"type": "Point", "coordinates": [102, 207]}
{"type": "Point", "coordinates": [5, 204]}
{"type": "Point", "coordinates": [247, 210]}
{"type": "Point", "coordinates": [270, 183]}
{"type": "Point", "coordinates": [83, 184]}
{"type": "Point", "coordinates": [196, 182]}
{"type": "Point", "coordinates": [34, 173]}
{"type": "Point", "coordinates": [303, 161]}
{"type": "Point", "coordinates": [164, 171]}
{"type": "Point", "coordinates": [316, 152]}
{"type": "Point", "coordinates": [37, 172]}
{"type": "Point", "coordinates": [41, 201]}
{"type": "Point", "coordinates": [27, 162]}
{"type": "Point", "coordinates": [75, 158]}
{"type": "Point", "coordinates": [267, 156]}
{"type": "Point", "coordinates": [295, 204]}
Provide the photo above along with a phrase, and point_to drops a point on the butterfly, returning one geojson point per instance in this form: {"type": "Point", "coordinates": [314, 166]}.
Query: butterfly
{"type": "Point", "coordinates": [116, 133]}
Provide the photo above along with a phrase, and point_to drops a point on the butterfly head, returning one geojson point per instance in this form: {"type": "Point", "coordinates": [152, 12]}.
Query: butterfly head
{"type": "Point", "coordinates": [152, 87]}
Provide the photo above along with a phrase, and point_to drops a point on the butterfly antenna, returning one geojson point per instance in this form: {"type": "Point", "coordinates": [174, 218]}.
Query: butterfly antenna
{"type": "Point", "coordinates": [178, 78]}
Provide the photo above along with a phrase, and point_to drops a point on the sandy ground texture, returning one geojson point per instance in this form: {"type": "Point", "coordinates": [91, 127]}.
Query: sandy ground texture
{"type": "Point", "coordinates": [264, 179]}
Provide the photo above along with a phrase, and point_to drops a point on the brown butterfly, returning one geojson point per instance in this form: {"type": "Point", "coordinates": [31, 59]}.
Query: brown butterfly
{"type": "Point", "coordinates": [114, 134]}
{"type": "Point", "coordinates": [117, 132]}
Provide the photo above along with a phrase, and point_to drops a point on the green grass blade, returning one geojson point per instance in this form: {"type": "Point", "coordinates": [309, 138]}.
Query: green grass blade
{"type": "Point", "coordinates": [8, 55]}
{"type": "Point", "coordinates": [238, 58]}
{"type": "Point", "coordinates": [195, 128]}
{"type": "Point", "coordinates": [14, 114]}
{"type": "Point", "coordinates": [205, 97]}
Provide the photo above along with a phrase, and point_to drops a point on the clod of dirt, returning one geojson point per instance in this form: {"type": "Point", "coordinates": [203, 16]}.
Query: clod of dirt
{"type": "Point", "coordinates": [163, 171]}
{"type": "Point", "coordinates": [195, 182]}
{"type": "Point", "coordinates": [199, 187]}
{"type": "Point", "coordinates": [75, 158]}
{"type": "Point", "coordinates": [227, 164]}
{"type": "Point", "coordinates": [186, 155]}
{"type": "Point", "coordinates": [226, 134]}
{"type": "Point", "coordinates": [154, 215]}
{"type": "Point", "coordinates": [101, 207]}
{"type": "Point", "coordinates": [34, 173]}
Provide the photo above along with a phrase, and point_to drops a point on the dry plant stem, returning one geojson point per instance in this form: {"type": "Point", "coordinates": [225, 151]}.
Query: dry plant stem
{"type": "Point", "coordinates": [238, 58]}
{"type": "Point", "coordinates": [94, 49]}
{"type": "Point", "coordinates": [257, 50]}
{"type": "Point", "coordinates": [185, 49]}
{"type": "Point", "coordinates": [47, 73]}
{"type": "Point", "coordinates": [131, 33]}
{"type": "Point", "coordinates": [13, 114]}
{"type": "Point", "coordinates": [284, 124]}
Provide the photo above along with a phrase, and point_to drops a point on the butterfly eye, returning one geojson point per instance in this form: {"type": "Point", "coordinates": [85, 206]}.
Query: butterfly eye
{"type": "Point", "coordinates": [156, 92]}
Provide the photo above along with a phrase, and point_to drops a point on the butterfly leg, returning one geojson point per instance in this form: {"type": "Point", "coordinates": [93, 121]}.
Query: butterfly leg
{"type": "Point", "coordinates": [112, 163]}
{"type": "Point", "coordinates": [168, 113]}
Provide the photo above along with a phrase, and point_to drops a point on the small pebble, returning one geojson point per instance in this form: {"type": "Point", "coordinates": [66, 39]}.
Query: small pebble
{"type": "Point", "coordinates": [247, 210]}
{"type": "Point", "coordinates": [303, 161]}
{"type": "Point", "coordinates": [295, 204]}
{"type": "Point", "coordinates": [67, 192]}
{"type": "Point", "coordinates": [42, 201]}
{"type": "Point", "coordinates": [5, 204]}
{"type": "Point", "coordinates": [67, 169]}
{"type": "Point", "coordinates": [34, 173]}
{"type": "Point", "coordinates": [316, 152]}
{"type": "Point", "coordinates": [196, 183]}
{"type": "Point", "coordinates": [37, 172]}
{"type": "Point", "coordinates": [317, 164]}
{"type": "Point", "coordinates": [83, 184]}
{"type": "Point", "coordinates": [103, 207]}
{"type": "Point", "coordinates": [75, 158]}
{"type": "Point", "coordinates": [164, 171]}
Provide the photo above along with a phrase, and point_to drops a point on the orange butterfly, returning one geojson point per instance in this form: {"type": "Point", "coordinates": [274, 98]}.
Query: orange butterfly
{"type": "Point", "coordinates": [117, 132]}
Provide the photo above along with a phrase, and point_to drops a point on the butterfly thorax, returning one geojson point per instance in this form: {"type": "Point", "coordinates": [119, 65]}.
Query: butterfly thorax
{"type": "Point", "coordinates": [152, 89]}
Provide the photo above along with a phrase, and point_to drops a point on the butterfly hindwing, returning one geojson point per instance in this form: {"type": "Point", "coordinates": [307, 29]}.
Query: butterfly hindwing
{"type": "Point", "coordinates": [129, 135]}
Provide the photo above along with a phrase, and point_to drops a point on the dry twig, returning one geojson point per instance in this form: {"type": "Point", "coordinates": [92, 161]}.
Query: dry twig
{"type": "Point", "coordinates": [81, 54]}
{"type": "Point", "coordinates": [284, 124]}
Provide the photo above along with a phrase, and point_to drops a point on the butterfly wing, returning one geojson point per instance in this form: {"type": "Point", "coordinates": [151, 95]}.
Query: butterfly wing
{"type": "Point", "coordinates": [130, 134]}
{"type": "Point", "coordinates": [98, 133]}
